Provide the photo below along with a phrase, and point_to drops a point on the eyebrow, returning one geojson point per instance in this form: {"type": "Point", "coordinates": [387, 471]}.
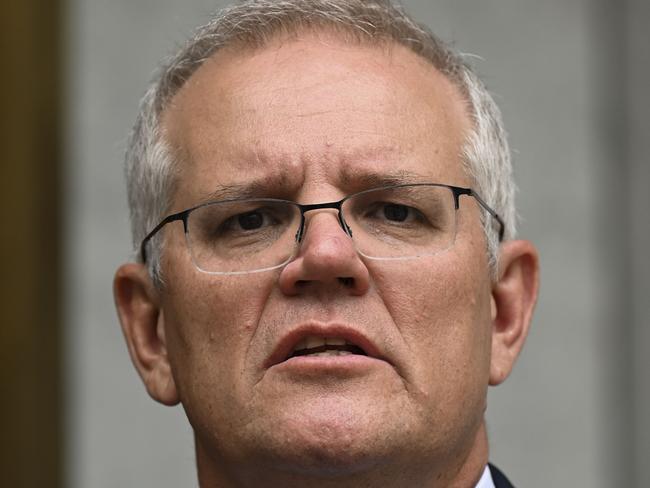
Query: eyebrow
{"type": "Point", "coordinates": [267, 186]}
{"type": "Point", "coordinates": [365, 180]}
{"type": "Point", "coordinates": [233, 191]}
{"type": "Point", "coordinates": [280, 185]}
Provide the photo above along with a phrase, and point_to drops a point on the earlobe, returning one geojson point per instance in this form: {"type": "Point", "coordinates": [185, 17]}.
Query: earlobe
{"type": "Point", "coordinates": [513, 299]}
{"type": "Point", "coordinates": [143, 324]}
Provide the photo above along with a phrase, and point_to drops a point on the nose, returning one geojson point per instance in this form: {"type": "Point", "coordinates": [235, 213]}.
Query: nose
{"type": "Point", "coordinates": [326, 260]}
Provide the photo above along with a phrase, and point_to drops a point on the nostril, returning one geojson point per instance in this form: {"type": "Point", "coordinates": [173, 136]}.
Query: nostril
{"type": "Point", "coordinates": [347, 282]}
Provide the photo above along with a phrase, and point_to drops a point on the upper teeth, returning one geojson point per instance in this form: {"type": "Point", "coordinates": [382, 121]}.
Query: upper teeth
{"type": "Point", "coordinates": [313, 341]}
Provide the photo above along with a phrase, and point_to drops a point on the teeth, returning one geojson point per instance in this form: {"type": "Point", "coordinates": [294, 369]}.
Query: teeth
{"type": "Point", "coordinates": [315, 342]}
{"type": "Point", "coordinates": [334, 341]}
{"type": "Point", "coordinates": [332, 353]}
{"type": "Point", "coordinates": [317, 346]}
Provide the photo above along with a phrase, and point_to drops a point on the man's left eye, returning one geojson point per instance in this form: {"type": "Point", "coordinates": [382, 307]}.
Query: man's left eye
{"type": "Point", "coordinates": [397, 213]}
{"type": "Point", "coordinates": [251, 220]}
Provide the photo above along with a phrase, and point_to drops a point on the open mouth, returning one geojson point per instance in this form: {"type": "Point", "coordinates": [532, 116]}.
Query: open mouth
{"type": "Point", "coordinates": [325, 346]}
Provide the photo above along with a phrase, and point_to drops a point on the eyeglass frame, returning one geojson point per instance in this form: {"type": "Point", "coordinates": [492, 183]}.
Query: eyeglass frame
{"type": "Point", "coordinates": [457, 192]}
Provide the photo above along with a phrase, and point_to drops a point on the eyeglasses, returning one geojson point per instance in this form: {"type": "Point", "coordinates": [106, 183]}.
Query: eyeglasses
{"type": "Point", "coordinates": [250, 235]}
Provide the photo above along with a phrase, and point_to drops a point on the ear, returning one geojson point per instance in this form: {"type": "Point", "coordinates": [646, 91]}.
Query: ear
{"type": "Point", "coordinates": [513, 299]}
{"type": "Point", "coordinates": [143, 324]}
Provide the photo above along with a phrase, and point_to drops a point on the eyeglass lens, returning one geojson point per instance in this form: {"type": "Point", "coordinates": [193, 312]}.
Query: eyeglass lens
{"type": "Point", "coordinates": [259, 234]}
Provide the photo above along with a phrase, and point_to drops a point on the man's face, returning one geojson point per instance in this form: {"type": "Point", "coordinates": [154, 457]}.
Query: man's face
{"type": "Point", "coordinates": [312, 120]}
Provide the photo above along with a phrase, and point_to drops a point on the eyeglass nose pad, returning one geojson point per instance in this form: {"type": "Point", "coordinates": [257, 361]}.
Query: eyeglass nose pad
{"type": "Point", "coordinates": [344, 225]}
{"type": "Point", "coordinates": [300, 233]}
{"type": "Point", "coordinates": [301, 229]}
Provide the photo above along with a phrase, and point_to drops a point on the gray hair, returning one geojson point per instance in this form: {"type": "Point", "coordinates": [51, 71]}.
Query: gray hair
{"type": "Point", "coordinates": [150, 166]}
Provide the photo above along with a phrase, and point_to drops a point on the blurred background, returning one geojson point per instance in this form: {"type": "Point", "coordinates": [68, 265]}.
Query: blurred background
{"type": "Point", "coordinates": [572, 78]}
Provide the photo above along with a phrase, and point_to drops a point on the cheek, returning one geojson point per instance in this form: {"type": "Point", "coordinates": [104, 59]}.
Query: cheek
{"type": "Point", "coordinates": [442, 312]}
{"type": "Point", "coordinates": [210, 322]}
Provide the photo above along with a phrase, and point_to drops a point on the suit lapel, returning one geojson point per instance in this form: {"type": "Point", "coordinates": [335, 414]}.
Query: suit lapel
{"type": "Point", "coordinates": [500, 480]}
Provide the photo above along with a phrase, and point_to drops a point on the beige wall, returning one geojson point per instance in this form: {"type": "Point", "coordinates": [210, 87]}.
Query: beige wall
{"type": "Point", "coordinates": [564, 74]}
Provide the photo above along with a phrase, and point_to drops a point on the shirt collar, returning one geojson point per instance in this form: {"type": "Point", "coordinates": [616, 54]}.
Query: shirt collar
{"type": "Point", "coordinates": [486, 480]}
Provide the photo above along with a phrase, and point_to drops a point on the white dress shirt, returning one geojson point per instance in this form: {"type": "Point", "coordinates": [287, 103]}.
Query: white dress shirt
{"type": "Point", "coordinates": [486, 480]}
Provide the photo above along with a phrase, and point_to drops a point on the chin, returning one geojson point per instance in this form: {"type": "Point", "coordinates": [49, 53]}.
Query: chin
{"type": "Point", "coordinates": [327, 453]}
{"type": "Point", "coordinates": [330, 438]}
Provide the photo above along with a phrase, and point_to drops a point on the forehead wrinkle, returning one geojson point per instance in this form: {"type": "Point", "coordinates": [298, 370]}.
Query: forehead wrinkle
{"type": "Point", "coordinates": [361, 179]}
{"type": "Point", "coordinates": [239, 170]}
{"type": "Point", "coordinates": [279, 183]}
{"type": "Point", "coordinates": [375, 166]}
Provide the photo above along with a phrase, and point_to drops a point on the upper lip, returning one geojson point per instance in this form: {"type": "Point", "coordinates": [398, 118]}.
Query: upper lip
{"type": "Point", "coordinates": [288, 341]}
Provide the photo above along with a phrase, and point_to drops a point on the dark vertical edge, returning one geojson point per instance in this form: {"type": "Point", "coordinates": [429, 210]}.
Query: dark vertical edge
{"type": "Point", "coordinates": [50, 204]}
{"type": "Point", "coordinates": [615, 340]}
{"type": "Point", "coordinates": [638, 143]}
{"type": "Point", "coordinates": [30, 249]}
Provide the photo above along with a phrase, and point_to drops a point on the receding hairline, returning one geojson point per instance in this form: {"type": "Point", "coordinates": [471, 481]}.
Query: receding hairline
{"type": "Point", "coordinates": [434, 53]}
{"type": "Point", "coordinates": [241, 47]}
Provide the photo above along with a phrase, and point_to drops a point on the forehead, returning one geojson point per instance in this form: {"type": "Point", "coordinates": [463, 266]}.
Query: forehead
{"type": "Point", "coordinates": [315, 111]}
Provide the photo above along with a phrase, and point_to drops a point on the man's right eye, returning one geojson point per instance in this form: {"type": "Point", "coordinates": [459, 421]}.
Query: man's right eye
{"type": "Point", "coordinates": [248, 221]}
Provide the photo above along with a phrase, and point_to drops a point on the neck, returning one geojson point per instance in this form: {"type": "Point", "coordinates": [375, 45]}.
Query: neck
{"type": "Point", "coordinates": [458, 472]}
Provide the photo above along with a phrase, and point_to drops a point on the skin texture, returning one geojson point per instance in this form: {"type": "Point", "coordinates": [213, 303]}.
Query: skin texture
{"type": "Point", "coordinates": [314, 119]}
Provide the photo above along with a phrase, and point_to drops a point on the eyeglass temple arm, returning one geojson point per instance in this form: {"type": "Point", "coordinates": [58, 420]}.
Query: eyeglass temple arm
{"type": "Point", "coordinates": [502, 226]}
{"type": "Point", "coordinates": [170, 218]}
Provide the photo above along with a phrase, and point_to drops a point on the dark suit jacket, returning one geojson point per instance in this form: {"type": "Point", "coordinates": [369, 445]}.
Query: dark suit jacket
{"type": "Point", "coordinates": [500, 480]}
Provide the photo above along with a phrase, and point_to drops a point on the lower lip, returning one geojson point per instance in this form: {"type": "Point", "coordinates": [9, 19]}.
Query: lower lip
{"type": "Point", "coordinates": [351, 364]}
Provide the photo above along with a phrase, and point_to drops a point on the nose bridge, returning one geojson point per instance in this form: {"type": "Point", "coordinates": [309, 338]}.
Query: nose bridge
{"type": "Point", "coordinates": [327, 257]}
{"type": "Point", "coordinates": [314, 209]}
